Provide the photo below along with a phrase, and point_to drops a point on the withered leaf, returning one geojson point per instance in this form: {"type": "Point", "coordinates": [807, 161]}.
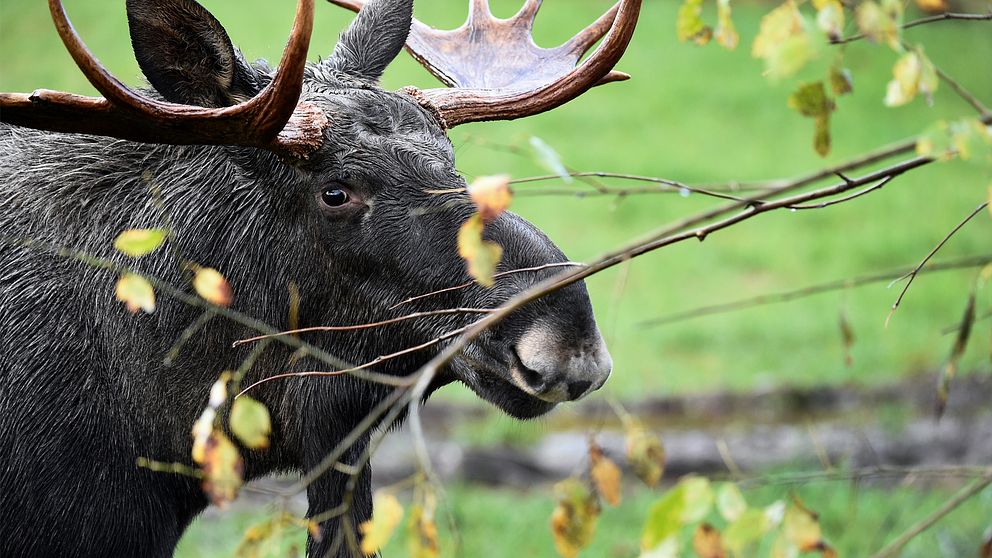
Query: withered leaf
{"type": "Point", "coordinates": [212, 286]}
{"type": "Point", "coordinates": [223, 469]}
{"type": "Point", "coordinates": [645, 452]}
{"type": "Point", "coordinates": [605, 474]}
{"type": "Point", "coordinates": [707, 543]}
{"type": "Point", "coordinates": [482, 256]}
{"type": "Point", "coordinates": [573, 521]}
{"type": "Point", "coordinates": [491, 195]}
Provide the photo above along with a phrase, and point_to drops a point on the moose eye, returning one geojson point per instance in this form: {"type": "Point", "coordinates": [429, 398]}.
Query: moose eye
{"type": "Point", "coordinates": [334, 197]}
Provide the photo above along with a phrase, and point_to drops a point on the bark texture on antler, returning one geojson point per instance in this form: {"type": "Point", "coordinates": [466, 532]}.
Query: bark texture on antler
{"type": "Point", "coordinates": [497, 72]}
{"type": "Point", "coordinates": [274, 119]}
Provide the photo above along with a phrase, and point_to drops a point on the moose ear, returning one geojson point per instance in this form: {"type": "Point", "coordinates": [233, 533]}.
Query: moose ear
{"type": "Point", "coordinates": [186, 55]}
{"type": "Point", "coordinates": [373, 40]}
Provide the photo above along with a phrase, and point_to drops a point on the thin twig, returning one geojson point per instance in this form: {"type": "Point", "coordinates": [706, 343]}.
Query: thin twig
{"type": "Point", "coordinates": [847, 198]}
{"type": "Point", "coordinates": [772, 298]}
{"type": "Point", "coordinates": [922, 21]}
{"type": "Point", "coordinates": [912, 274]}
{"type": "Point", "coordinates": [370, 325]}
{"type": "Point", "coordinates": [495, 276]}
{"type": "Point", "coordinates": [947, 507]}
{"type": "Point", "coordinates": [968, 97]}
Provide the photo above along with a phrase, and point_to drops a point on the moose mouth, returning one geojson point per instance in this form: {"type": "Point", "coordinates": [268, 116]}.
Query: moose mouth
{"type": "Point", "coordinates": [489, 375]}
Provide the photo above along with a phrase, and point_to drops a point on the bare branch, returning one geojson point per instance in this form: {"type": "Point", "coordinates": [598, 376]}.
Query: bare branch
{"type": "Point", "coordinates": [772, 298]}
{"type": "Point", "coordinates": [922, 21]}
{"type": "Point", "coordinates": [912, 274]}
{"type": "Point", "coordinates": [947, 507]}
{"type": "Point", "coordinates": [370, 325]}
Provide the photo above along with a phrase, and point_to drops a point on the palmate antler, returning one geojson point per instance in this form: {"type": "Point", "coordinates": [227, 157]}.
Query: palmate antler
{"type": "Point", "coordinates": [273, 119]}
{"type": "Point", "coordinates": [495, 70]}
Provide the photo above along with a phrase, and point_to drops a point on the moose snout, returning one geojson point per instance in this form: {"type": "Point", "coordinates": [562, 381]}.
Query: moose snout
{"type": "Point", "coordinates": [554, 367]}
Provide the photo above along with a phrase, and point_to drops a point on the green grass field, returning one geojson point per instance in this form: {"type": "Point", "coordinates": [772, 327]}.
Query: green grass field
{"type": "Point", "coordinates": [510, 524]}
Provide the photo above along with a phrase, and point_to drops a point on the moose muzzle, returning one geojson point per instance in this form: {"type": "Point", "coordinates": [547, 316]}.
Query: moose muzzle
{"type": "Point", "coordinates": [556, 367]}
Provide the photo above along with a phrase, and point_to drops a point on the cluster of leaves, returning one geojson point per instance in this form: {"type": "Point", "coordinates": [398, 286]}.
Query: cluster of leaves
{"type": "Point", "coordinates": [715, 521]}
{"type": "Point", "coordinates": [137, 293]}
{"type": "Point", "coordinates": [789, 40]}
{"type": "Point", "coordinates": [221, 462]}
{"type": "Point", "coordinates": [421, 530]}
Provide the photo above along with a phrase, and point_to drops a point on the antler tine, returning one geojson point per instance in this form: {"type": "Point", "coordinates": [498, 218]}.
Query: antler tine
{"type": "Point", "coordinates": [583, 40]}
{"type": "Point", "coordinates": [478, 10]}
{"type": "Point", "coordinates": [102, 80]}
{"type": "Point", "coordinates": [274, 119]}
{"type": "Point", "coordinates": [528, 12]}
{"type": "Point", "coordinates": [274, 106]}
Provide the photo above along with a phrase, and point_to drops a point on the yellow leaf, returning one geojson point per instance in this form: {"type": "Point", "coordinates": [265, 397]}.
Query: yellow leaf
{"type": "Point", "coordinates": [482, 256]}
{"type": "Point", "coordinates": [222, 469]}
{"type": "Point", "coordinates": [422, 539]}
{"type": "Point", "coordinates": [801, 527]}
{"type": "Point", "coordinates": [707, 543]}
{"type": "Point", "coordinates": [573, 522]}
{"type": "Point", "coordinates": [250, 422]}
{"type": "Point", "coordinates": [491, 195]}
{"type": "Point", "coordinates": [605, 474]}
{"type": "Point", "coordinates": [906, 80]}
{"type": "Point", "coordinates": [932, 6]}
{"type": "Point", "coordinates": [645, 452]}
{"type": "Point", "coordinates": [386, 515]}
{"type": "Point", "coordinates": [136, 293]}
{"type": "Point", "coordinates": [202, 429]}
{"type": "Point", "coordinates": [830, 17]}
{"type": "Point", "coordinates": [689, 25]}
{"type": "Point", "coordinates": [270, 537]}
{"type": "Point", "coordinates": [726, 33]}
{"type": "Point", "coordinates": [139, 242]}
{"type": "Point", "coordinates": [212, 286]}
{"type": "Point", "coordinates": [783, 41]}
{"type": "Point", "coordinates": [881, 22]}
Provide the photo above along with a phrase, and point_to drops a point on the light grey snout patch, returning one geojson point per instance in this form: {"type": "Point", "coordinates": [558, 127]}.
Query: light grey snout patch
{"type": "Point", "coordinates": [557, 369]}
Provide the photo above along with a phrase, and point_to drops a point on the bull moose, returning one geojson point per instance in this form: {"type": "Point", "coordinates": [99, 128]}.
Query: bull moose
{"type": "Point", "coordinates": [308, 175]}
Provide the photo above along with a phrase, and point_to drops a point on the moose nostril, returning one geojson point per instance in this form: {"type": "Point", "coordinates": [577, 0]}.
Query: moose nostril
{"type": "Point", "coordinates": [576, 389]}
{"type": "Point", "coordinates": [532, 377]}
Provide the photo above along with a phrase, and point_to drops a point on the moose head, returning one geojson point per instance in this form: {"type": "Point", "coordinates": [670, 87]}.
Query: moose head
{"type": "Point", "coordinates": [310, 175]}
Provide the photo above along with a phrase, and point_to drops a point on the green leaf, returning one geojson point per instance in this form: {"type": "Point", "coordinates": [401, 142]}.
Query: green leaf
{"type": "Point", "coordinates": [136, 292]}
{"type": "Point", "coordinates": [250, 422]}
{"type": "Point", "coordinates": [549, 159]}
{"type": "Point", "coordinates": [730, 501]}
{"type": "Point", "coordinates": [811, 100]}
{"type": "Point", "coordinates": [664, 518]}
{"type": "Point", "coordinates": [689, 25]}
{"type": "Point", "coordinates": [841, 81]}
{"type": "Point", "coordinates": [139, 242]}
{"type": "Point", "coordinates": [698, 496]}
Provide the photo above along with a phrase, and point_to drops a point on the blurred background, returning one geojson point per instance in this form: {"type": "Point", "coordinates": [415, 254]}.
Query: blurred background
{"type": "Point", "coordinates": [770, 385]}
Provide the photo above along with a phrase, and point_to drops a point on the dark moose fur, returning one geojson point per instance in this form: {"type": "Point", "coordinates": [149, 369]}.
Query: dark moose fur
{"type": "Point", "coordinates": [83, 388]}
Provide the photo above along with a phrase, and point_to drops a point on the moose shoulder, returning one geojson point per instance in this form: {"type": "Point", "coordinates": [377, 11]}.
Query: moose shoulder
{"type": "Point", "coordinates": [309, 175]}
